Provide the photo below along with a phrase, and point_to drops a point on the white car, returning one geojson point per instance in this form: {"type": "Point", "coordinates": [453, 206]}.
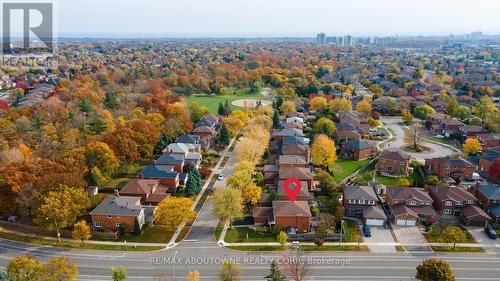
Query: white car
{"type": "Point", "coordinates": [373, 129]}
{"type": "Point", "coordinates": [220, 177]}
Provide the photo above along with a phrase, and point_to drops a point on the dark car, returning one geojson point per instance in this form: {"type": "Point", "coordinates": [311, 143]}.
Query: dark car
{"type": "Point", "coordinates": [366, 231]}
{"type": "Point", "coordinates": [490, 232]}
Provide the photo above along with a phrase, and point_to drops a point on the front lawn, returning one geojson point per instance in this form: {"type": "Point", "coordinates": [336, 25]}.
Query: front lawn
{"type": "Point", "coordinates": [458, 249]}
{"type": "Point", "coordinates": [306, 248]}
{"type": "Point", "coordinates": [434, 235]}
{"type": "Point", "coordinates": [343, 168]}
{"type": "Point", "coordinates": [150, 234]}
{"type": "Point", "coordinates": [239, 234]}
{"type": "Point", "coordinates": [497, 229]}
{"type": "Point", "coordinates": [351, 232]}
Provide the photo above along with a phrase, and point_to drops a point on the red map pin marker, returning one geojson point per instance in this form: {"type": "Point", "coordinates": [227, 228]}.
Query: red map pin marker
{"type": "Point", "coordinates": [292, 193]}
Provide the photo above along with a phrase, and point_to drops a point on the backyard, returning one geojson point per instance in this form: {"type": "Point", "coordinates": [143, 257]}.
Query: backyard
{"type": "Point", "coordinates": [346, 167]}
{"type": "Point", "coordinates": [415, 178]}
{"type": "Point", "coordinates": [211, 102]}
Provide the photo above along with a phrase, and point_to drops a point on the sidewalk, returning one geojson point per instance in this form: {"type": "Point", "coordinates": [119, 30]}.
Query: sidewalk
{"type": "Point", "coordinates": [465, 245]}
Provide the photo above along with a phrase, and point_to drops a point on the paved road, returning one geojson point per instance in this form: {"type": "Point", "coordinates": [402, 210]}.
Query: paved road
{"type": "Point", "coordinates": [436, 150]}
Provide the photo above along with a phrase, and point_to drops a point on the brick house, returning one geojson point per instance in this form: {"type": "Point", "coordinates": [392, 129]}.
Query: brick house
{"type": "Point", "coordinates": [356, 150]}
{"type": "Point", "coordinates": [304, 194]}
{"type": "Point", "coordinates": [361, 201]}
{"type": "Point", "coordinates": [471, 131]}
{"type": "Point", "coordinates": [296, 149]}
{"type": "Point", "coordinates": [487, 157]}
{"type": "Point", "coordinates": [408, 204]}
{"type": "Point", "coordinates": [451, 200]}
{"type": "Point", "coordinates": [279, 135]}
{"type": "Point", "coordinates": [150, 191]}
{"type": "Point", "coordinates": [168, 160]}
{"type": "Point", "coordinates": [204, 132]}
{"type": "Point", "coordinates": [489, 198]}
{"type": "Point", "coordinates": [118, 210]}
{"type": "Point", "coordinates": [489, 140]}
{"type": "Point", "coordinates": [473, 215]}
{"type": "Point", "coordinates": [166, 175]}
{"type": "Point", "coordinates": [303, 174]}
{"type": "Point", "coordinates": [291, 161]}
{"type": "Point", "coordinates": [284, 214]}
{"type": "Point", "coordinates": [393, 163]}
{"type": "Point", "coordinates": [454, 167]}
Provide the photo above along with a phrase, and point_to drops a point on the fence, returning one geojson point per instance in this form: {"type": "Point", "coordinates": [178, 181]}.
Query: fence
{"type": "Point", "coordinates": [312, 236]}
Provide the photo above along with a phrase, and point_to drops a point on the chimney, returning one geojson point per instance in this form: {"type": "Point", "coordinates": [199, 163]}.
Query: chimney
{"type": "Point", "coordinates": [117, 194]}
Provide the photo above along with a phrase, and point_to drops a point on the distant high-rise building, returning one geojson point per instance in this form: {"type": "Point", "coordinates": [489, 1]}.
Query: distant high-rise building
{"type": "Point", "coordinates": [476, 35]}
{"type": "Point", "coordinates": [347, 40]}
{"type": "Point", "coordinates": [321, 38]}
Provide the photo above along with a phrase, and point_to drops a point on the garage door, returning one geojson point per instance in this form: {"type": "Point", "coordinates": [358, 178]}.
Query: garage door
{"type": "Point", "coordinates": [406, 222]}
{"type": "Point", "coordinates": [374, 222]}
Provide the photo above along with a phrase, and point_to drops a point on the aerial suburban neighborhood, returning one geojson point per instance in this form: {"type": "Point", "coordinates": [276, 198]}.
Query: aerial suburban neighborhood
{"type": "Point", "coordinates": [228, 157]}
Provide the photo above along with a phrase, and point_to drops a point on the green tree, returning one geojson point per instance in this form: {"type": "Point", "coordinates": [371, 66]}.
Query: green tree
{"type": "Point", "coordinates": [228, 204]}
{"type": "Point", "coordinates": [86, 105]}
{"type": "Point", "coordinates": [162, 143]}
{"type": "Point", "coordinates": [193, 184]}
{"type": "Point", "coordinates": [97, 126]}
{"type": "Point", "coordinates": [24, 268]}
{"type": "Point", "coordinates": [221, 110]}
{"type": "Point", "coordinates": [276, 119]}
{"type": "Point", "coordinates": [118, 274]}
{"type": "Point", "coordinates": [453, 234]}
{"type": "Point", "coordinates": [5, 277]}
{"type": "Point", "coordinates": [324, 126]}
{"type": "Point", "coordinates": [59, 269]}
{"type": "Point", "coordinates": [432, 180]}
{"type": "Point", "coordinates": [434, 270]}
{"type": "Point", "coordinates": [111, 101]}
{"type": "Point", "coordinates": [451, 106]}
{"type": "Point", "coordinates": [422, 111]}
{"type": "Point", "coordinates": [61, 206]}
{"type": "Point", "coordinates": [229, 272]}
{"type": "Point", "coordinates": [197, 111]}
{"type": "Point", "coordinates": [81, 231]}
{"type": "Point", "coordinates": [282, 238]}
{"type": "Point", "coordinates": [224, 135]}
{"type": "Point", "coordinates": [462, 113]}
{"type": "Point", "coordinates": [275, 274]}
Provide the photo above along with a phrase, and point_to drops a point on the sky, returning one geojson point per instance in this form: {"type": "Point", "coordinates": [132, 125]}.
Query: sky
{"type": "Point", "coordinates": [274, 18]}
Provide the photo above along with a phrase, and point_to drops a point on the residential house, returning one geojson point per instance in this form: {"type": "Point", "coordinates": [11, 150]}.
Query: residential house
{"type": "Point", "coordinates": [357, 150]}
{"type": "Point", "coordinates": [489, 198]}
{"type": "Point", "coordinates": [190, 153]}
{"type": "Point", "coordinates": [188, 138]}
{"type": "Point", "coordinates": [304, 194]}
{"type": "Point", "coordinates": [168, 160]}
{"type": "Point", "coordinates": [471, 131]}
{"type": "Point", "coordinates": [284, 215]}
{"type": "Point", "coordinates": [150, 191]}
{"type": "Point", "coordinates": [285, 161]}
{"type": "Point", "coordinates": [295, 119]}
{"type": "Point", "coordinates": [115, 211]}
{"type": "Point", "coordinates": [279, 135]}
{"type": "Point", "coordinates": [302, 174]}
{"type": "Point", "coordinates": [408, 204]}
{"type": "Point", "coordinates": [361, 201]}
{"type": "Point", "coordinates": [204, 132]}
{"type": "Point", "coordinates": [165, 174]}
{"type": "Point", "coordinates": [296, 149]}
{"type": "Point", "coordinates": [295, 140]}
{"type": "Point", "coordinates": [487, 157]}
{"type": "Point", "coordinates": [457, 201]}
{"type": "Point", "coordinates": [489, 140]}
{"type": "Point", "coordinates": [456, 168]}
{"type": "Point", "coordinates": [393, 163]}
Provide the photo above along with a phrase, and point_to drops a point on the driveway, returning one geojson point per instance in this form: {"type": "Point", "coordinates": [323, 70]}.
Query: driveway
{"type": "Point", "coordinates": [381, 235]}
{"type": "Point", "coordinates": [481, 238]}
{"type": "Point", "coordinates": [436, 150]}
{"type": "Point", "coordinates": [411, 235]}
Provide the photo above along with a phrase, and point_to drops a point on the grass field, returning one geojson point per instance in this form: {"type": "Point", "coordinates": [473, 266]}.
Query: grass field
{"type": "Point", "coordinates": [307, 248]}
{"type": "Point", "coordinates": [351, 232]}
{"type": "Point", "coordinates": [239, 234]}
{"type": "Point", "coordinates": [345, 167]}
{"type": "Point", "coordinates": [212, 102]}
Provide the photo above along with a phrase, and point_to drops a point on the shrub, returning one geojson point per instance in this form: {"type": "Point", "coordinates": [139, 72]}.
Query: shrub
{"type": "Point", "coordinates": [262, 229]}
{"type": "Point", "coordinates": [314, 211]}
{"type": "Point", "coordinates": [319, 242]}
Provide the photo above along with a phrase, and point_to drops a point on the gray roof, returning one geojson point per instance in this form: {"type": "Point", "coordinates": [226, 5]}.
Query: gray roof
{"type": "Point", "coordinates": [118, 206]}
{"type": "Point", "coordinates": [357, 144]}
{"type": "Point", "coordinates": [374, 212]}
{"type": "Point", "coordinates": [295, 140]}
{"type": "Point", "coordinates": [360, 192]}
{"type": "Point", "coordinates": [158, 172]}
{"type": "Point", "coordinates": [491, 191]}
{"type": "Point", "coordinates": [495, 210]}
{"type": "Point", "coordinates": [292, 159]}
{"type": "Point", "coordinates": [166, 159]}
{"type": "Point", "coordinates": [188, 139]}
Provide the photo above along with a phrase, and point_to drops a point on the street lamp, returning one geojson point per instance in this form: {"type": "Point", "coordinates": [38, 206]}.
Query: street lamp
{"type": "Point", "coordinates": [341, 230]}
{"type": "Point", "coordinates": [57, 229]}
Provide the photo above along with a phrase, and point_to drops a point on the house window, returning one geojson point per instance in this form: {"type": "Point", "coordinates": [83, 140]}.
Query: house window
{"type": "Point", "coordinates": [118, 225]}
{"type": "Point", "coordinates": [427, 203]}
{"type": "Point", "coordinates": [470, 202]}
{"type": "Point", "coordinates": [447, 211]}
{"type": "Point", "coordinates": [413, 203]}
{"type": "Point", "coordinates": [109, 216]}
{"type": "Point", "coordinates": [371, 202]}
{"type": "Point", "coordinates": [383, 160]}
{"type": "Point", "coordinates": [401, 162]}
{"type": "Point", "coordinates": [458, 203]}
{"type": "Point", "coordinates": [361, 201]}
{"type": "Point", "coordinates": [351, 201]}
{"type": "Point", "coordinates": [98, 224]}
{"type": "Point", "coordinates": [389, 168]}
{"type": "Point", "coordinates": [448, 203]}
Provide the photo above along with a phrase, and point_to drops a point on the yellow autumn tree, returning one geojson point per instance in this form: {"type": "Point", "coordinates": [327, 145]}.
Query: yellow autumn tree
{"type": "Point", "coordinates": [323, 152]}
{"type": "Point", "coordinates": [25, 151]}
{"type": "Point", "coordinates": [172, 211]}
{"type": "Point", "coordinates": [251, 194]}
{"type": "Point", "coordinates": [364, 106]}
{"type": "Point", "coordinates": [472, 146]}
{"type": "Point", "coordinates": [318, 103]}
{"type": "Point", "coordinates": [287, 107]}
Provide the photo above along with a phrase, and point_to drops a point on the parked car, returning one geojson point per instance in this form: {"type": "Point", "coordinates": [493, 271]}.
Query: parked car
{"type": "Point", "coordinates": [378, 134]}
{"type": "Point", "coordinates": [220, 177]}
{"type": "Point", "coordinates": [366, 231]}
{"type": "Point", "coordinates": [490, 232]}
{"type": "Point", "coordinates": [373, 129]}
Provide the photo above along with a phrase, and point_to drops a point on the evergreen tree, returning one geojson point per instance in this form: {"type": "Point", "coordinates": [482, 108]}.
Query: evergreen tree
{"type": "Point", "coordinates": [227, 109]}
{"type": "Point", "coordinates": [276, 119]}
{"type": "Point", "coordinates": [224, 135]}
{"type": "Point", "coordinates": [137, 228]}
{"type": "Point", "coordinates": [193, 184]}
{"type": "Point", "coordinates": [279, 102]}
{"type": "Point", "coordinates": [162, 143]}
{"type": "Point", "coordinates": [221, 110]}
{"type": "Point", "coordinates": [85, 105]}
{"type": "Point", "coordinates": [111, 101]}
{"type": "Point", "coordinates": [98, 126]}
{"type": "Point", "coordinates": [276, 274]}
